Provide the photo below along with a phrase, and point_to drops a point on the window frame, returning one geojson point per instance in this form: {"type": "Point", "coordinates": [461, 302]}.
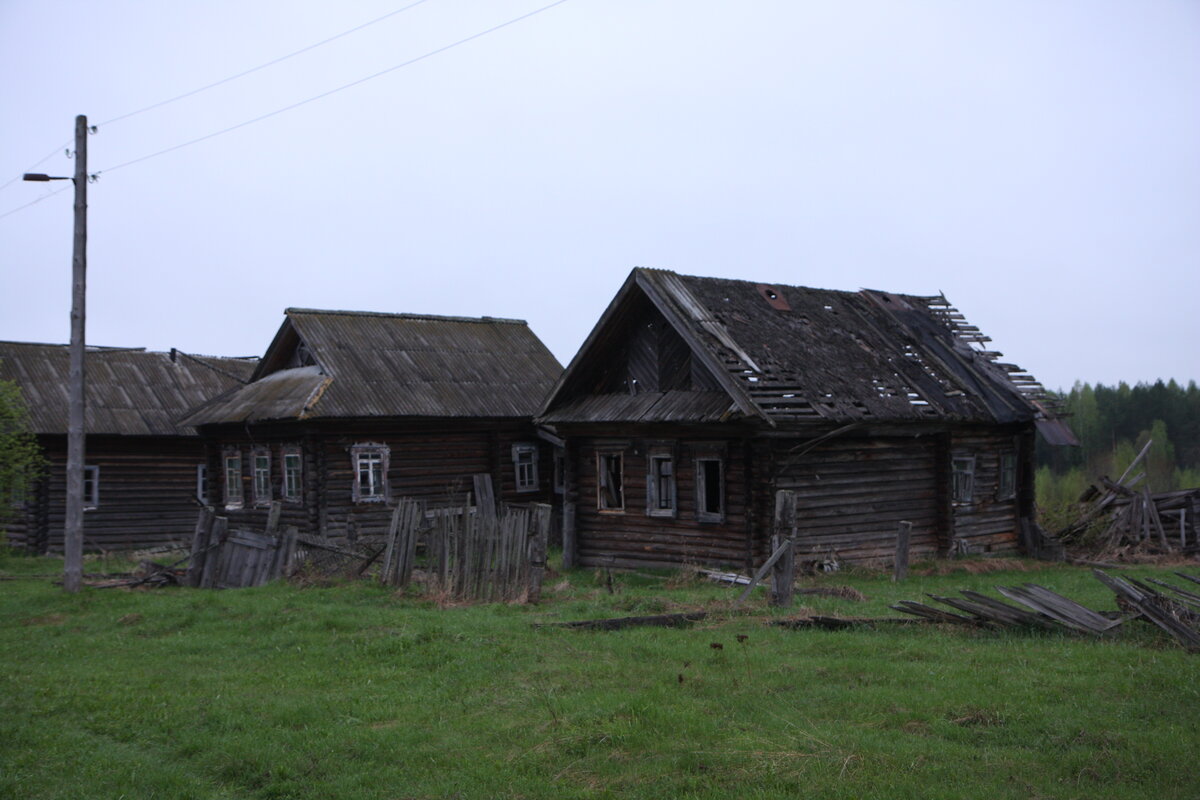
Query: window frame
{"type": "Point", "coordinates": [962, 480]}
{"type": "Point", "coordinates": [657, 481]}
{"type": "Point", "coordinates": [232, 498]}
{"type": "Point", "coordinates": [530, 481]}
{"type": "Point", "coordinates": [291, 491]}
{"type": "Point", "coordinates": [604, 480]}
{"type": "Point", "coordinates": [703, 513]}
{"type": "Point", "coordinates": [260, 476]}
{"type": "Point", "coordinates": [370, 451]}
{"type": "Point", "coordinates": [1006, 476]}
{"type": "Point", "coordinates": [202, 483]}
{"type": "Point", "coordinates": [91, 477]}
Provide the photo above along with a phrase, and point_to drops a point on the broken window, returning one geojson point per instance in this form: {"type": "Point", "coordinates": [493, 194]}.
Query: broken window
{"type": "Point", "coordinates": [610, 482]}
{"type": "Point", "coordinates": [233, 478]}
{"type": "Point", "coordinates": [261, 464]}
{"type": "Point", "coordinates": [292, 465]}
{"type": "Point", "coordinates": [660, 485]}
{"type": "Point", "coordinates": [963, 475]}
{"type": "Point", "coordinates": [710, 489]}
{"type": "Point", "coordinates": [525, 463]}
{"type": "Point", "coordinates": [91, 487]}
{"type": "Point", "coordinates": [560, 471]}
{"type": "Point", "coordinates": [370, 463]}
{"type": "Point", "coordinates": [1006, 483]}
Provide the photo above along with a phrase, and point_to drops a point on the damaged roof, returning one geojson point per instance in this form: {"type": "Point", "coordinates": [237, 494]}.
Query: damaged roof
{"type": "Point", "coordinates": [129, 391]}
{"type": "Point", "coordinates": [787, 354]}
{"type": "Point", "coordinates": [349, 364]}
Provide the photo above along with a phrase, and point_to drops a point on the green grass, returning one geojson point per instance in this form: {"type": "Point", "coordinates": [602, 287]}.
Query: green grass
{"type": "Point", "coordinates": [354, 691]}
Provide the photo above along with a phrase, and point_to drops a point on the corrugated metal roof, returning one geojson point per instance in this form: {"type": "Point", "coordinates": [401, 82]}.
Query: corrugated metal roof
{"type": "Point", "coordinates": [129, 391]}
{"type": "Point", "coordinates": [395, 365]}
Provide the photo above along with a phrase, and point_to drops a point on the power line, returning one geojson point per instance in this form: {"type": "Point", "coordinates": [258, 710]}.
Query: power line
{"type": "Point", "coordinates": [162, 103]}
{"type": "Point", "coordinates": [34, 202]}
{"type": "Point", "coordinates": [334, 91]}
{"type": "Point", "coordinates": [36, 164]}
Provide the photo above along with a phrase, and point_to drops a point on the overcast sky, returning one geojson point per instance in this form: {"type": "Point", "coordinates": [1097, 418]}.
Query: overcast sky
{"type": "Point", "coordinates": [1038, 161]}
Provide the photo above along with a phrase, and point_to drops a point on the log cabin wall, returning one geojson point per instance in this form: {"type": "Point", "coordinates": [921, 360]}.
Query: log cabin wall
{"type": "Point", "coordinates": [433, 460]}
{"type": "Point", "coordinates": [986, 520]}
{"type": "Point", "coordinates": [146, 493]}
{"type": "Point", "coordinates": [636, 535]}
{"type": "Point", "coordinates": [852, 493]}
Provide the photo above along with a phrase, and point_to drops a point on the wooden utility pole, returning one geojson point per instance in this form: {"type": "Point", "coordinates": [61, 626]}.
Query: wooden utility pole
{"type": "Point", "coordinates": [73, 534]}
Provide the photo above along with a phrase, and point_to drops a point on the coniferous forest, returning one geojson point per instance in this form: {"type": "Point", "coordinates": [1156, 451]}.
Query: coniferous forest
{"type": "Point", "coordinates": [1112, 424]}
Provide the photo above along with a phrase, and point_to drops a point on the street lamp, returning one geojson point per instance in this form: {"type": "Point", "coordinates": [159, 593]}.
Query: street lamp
{"type": "Point", "coordinates": [73, 530]}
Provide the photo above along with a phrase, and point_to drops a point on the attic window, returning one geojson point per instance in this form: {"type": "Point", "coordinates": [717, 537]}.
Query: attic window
{"type": "Point", "coordinates": [774, 297]}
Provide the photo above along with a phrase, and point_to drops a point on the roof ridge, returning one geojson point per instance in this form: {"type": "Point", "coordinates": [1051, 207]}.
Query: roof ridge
{"type": "Point", "coordinates": [402, 315]}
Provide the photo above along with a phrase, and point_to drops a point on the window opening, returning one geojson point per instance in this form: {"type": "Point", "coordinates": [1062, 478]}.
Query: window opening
{"type": "Point", "coordinates": [91, 487]}
{"type": "Point", "coordinates": [964, 479]}
{"type": "Point", "coordinates": [710, 490]}
{"type": "Point", "coordinates": [610, 486]}
{"type": "Point", "coordinates": [262, 477]}
{"type": "Point", "coordinates": [525, 462]}
{"type": "Point", "coordinates": [370, 473]}
{"type": "Point", "coordinates": [291, 474]}
{"type": "Point", "coordinates": [660, 486]}
{"type": "Point", "coordinates": [233, 479]}
{"type": "Point", "coordinates": [1007, 483]}
{"type": "Point", "coordinates": [202, 483]}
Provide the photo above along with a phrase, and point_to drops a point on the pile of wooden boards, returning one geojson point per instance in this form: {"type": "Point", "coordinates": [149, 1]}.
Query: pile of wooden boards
{"type": "Point", "coordinates": [1037, 607]}
{"type": "Point", "coordinates": [1118, 519]}
{"type": "Point", "coordinates": [224, 559]}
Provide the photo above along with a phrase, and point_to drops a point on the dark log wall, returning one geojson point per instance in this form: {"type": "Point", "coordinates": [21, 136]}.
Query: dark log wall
{"type": "Point", "coordinates": [433, 460]}
{"type": "Point", "coordinates": [633, 537]}
{"type": "Point", "coordinates": [147, 494]}
{"type": "Point", "coordinates": [989, 523]}
{"type": "Point", "coordinates": [851, 495]}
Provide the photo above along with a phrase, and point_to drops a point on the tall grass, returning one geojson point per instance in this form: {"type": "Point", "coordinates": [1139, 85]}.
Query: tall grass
{"type": "Point", "coordinates": [353, 691]}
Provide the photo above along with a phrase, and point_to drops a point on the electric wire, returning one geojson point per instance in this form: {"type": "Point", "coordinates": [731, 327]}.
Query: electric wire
{"type": "Point", "coordinates": [221, 82]}
{"type": "Point", "coordinates": [33, 202]}
{"type": "Point", "coordinates": [323, 95]}
{"type": "Point", "coordinates": [271, 63]}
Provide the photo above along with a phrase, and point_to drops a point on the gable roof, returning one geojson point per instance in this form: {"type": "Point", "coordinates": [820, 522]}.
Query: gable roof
{"type": "Point", "coordinates": [128, 391]}
{"type": "Point", "coordinates": [346, 364]}
{"type": "Point", "coordinates": [789, 354]}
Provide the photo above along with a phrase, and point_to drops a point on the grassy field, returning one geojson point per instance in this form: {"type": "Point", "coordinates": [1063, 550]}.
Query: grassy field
{"type": "Point", "coordinates": [354, 691]}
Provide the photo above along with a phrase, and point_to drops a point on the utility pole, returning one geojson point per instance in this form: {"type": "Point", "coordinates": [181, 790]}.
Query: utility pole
{"type": "Point", "coordinates": [73, 533]}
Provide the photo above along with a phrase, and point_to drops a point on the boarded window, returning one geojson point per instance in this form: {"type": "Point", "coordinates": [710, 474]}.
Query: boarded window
{"type": "Point", "coordinates": [370, 463]}
{"type": "Point", "coordinates": [963, 472]}
{"type": "Point", "coordinates": [233, 479]}
{"type": "Point", "coordinates": [91, 487]}
{"type": "Point", "coordinates": [261, 461]}
{"type": "Point", "coordinates": [610, 486]}
{"type": "Point", "coordinates": [660, 485]}
{"type": "Point", "coordinates": [525, 464]}
{"type": "Point", "coordinates": [291, 474]}
{"type": "Point", "coordinates": [710, 489]}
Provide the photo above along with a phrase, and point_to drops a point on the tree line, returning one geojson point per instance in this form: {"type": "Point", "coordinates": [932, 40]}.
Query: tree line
{"type": "Point", "coordinates": [1112, 424]}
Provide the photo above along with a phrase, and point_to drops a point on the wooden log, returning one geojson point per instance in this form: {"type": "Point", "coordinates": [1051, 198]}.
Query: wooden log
{"type": "Point", "coordinates": [216, 542]}
{"type": "Point", "coordinates": [903, 533]}
{"type": "Point", "coordinates": [783, 581]}
{"type": "Point", "coordinates": [200, 551]}
{"type": "Point", "coordinates": [538, 543]}
{"type": "Point", "coordinates": [764, 569]}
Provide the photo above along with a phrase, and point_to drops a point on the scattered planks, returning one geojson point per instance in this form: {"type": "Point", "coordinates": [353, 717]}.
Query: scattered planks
{"type": "Point", "coordinates": [1038, 607]}
{"type": "Point", "coordinates": [618, 623]}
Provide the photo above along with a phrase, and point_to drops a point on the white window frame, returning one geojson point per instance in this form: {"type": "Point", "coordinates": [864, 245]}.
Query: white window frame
{"type": "Point", "coordinates": [962, 479]}
{"type": "Point", "coordinates": [662, 496]}
{"type": "Point", "coordinates": [233, 490]}
{"type": "Point", "coordinates": [260, 474]}
{"type": "Point", "coordinates": [91, 488]}
{"type": "Point", "coordinates": [525, 466]}
{"type": "Point", "coordinates": [704, 512]}
{"type": "Point", "coordinates": [202, 483]}
{"type": "Point", "coordinates": [291, 464]}
{"type": "Point", "coordinates": [606, 501]}
{"type": "Point", "coordinates": [376, 489]}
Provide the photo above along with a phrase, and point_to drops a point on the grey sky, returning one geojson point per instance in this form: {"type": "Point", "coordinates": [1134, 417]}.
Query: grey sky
{"type": "Point", "coordinates": [1036, 161]}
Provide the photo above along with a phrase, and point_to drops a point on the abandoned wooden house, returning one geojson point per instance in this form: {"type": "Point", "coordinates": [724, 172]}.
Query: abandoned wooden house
{"type": "Point", "coordinates": [694, 399]}
{"type": "Point", "coordinates": [349, 411]}
{"type": "Point", "coordinates": [143, 470]}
